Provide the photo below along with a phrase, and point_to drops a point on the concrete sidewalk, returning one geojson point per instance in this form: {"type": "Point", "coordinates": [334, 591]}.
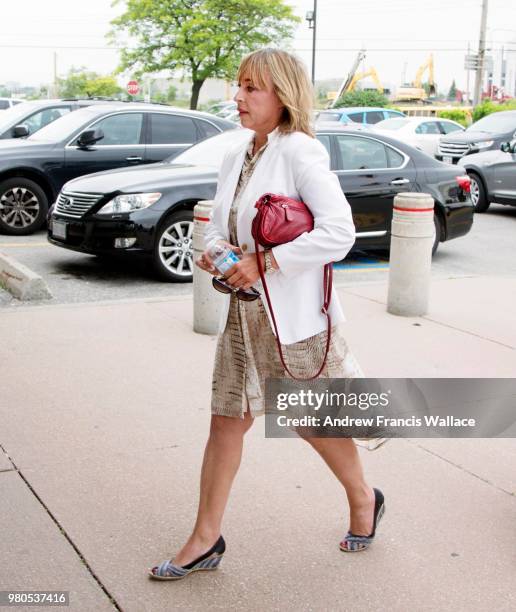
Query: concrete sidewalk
{"type": "Point", "coordinates": [105, 412]}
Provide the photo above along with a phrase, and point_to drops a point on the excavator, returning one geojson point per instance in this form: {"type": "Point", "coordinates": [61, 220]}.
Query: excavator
{"type": "Point", "coordinates": [415, 91]}
{"type": "Point", "coordinates": [362, 75]}
{"type": "Point", "coordinates": [349, 83]}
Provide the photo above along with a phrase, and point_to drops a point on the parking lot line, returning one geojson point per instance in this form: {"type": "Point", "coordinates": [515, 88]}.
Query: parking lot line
{"type": "Point", "coordinates": [22, 244]}
{"type": "Point", "coordinates": [364, 265]}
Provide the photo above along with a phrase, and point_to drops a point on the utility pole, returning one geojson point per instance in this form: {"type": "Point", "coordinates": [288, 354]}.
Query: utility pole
{"type": "Point", "coordinates": [502, 72]}
{"type": "Point", "coordinates": [477, 94]}
{"type": "Point", "coordinates": [404, 74]}
{"type": "Point", "coordinates": [55, 74]}
{"type": "Point", "coordinates": [467, 78]}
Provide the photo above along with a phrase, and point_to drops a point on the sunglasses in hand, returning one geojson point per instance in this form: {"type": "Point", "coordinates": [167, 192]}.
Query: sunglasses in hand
{"type": "Point", "coordinates": [247, 295]}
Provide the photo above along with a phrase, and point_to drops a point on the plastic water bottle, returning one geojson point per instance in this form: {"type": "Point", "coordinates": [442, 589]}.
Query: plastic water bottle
{"type": "Point", "coordinates": [223, 257]}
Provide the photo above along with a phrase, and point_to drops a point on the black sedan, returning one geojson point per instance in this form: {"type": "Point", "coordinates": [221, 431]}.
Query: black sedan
{"type": "Point", "coordinates": [149, 210]}
{"type": "Point", "coordinates": [92, 139]}
{"type": "Point", "coordinates": [27, 118]}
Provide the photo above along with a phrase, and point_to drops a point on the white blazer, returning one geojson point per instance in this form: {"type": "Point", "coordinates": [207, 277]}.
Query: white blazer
{"type": "Point", "coordinates": [297, 166]}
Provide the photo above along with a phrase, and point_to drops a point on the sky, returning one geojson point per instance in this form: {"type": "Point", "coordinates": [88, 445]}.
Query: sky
{"type": "Point", "coordinates": [398, 36]}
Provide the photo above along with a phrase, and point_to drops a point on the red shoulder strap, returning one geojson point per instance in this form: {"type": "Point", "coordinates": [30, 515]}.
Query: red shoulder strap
{"type": "Point", "coordinates": [327, 286]}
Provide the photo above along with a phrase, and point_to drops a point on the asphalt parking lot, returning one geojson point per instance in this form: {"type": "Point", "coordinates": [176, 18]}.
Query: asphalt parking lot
{"type": "Point", "coordinates": [72, 277]}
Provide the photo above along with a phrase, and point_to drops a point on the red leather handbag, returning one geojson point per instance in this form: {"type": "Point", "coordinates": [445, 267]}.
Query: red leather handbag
{"type": "Point", "coordinates": [281, 219]}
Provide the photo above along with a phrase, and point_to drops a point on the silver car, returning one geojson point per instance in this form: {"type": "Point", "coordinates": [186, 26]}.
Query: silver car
{"type": "Point", "coordinates": [493, 176]}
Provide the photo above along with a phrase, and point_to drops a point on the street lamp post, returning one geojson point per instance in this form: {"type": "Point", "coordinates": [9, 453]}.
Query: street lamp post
{"type": "Point", "coordinates": [311, 17]}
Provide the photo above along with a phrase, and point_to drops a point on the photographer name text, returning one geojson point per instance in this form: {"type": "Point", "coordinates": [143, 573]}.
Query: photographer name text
{"type": "Point", "coordinates": [378, 421]}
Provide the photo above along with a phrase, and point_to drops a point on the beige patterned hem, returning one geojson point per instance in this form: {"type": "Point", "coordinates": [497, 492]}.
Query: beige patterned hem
{"type": "Point", "coordinates": [247, 354]}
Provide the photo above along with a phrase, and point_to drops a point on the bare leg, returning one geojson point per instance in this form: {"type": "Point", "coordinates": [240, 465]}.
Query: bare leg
{"type": "Point", "coordinates": [341, 456]}
{"type": "Point", "coordinates": [221, 461]}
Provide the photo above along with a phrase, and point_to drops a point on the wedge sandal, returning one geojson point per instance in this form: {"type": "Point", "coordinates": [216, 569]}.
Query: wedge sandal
{"type": "Point", "coordinates": [208, 561]}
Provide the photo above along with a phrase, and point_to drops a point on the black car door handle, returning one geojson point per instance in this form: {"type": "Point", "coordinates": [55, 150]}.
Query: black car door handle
{"type": "Point", "coordinates": [134, 158]}
{"type": "Point", "coordinates": [400, 181]}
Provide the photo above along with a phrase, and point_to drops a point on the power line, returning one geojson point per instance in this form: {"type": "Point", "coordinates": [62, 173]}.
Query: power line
{"type": "Point", "coordinates": [369, 49]}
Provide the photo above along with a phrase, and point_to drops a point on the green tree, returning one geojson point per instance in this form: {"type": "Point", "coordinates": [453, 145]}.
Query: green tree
{"type": "Point", "coordinates": [81, 83]}
{"type": "Point", "coordinates": [40, 94]}
{"type": "Point", "coordinates": [362, 98]}
{"type": "Point", "coordinates": [457, 114]}
{"type": "Point", "coordinates": [452, 94]}
{"type": "Point", "coordinates": [488, 106]}
{"type": "Point", "coordinates": [201, 38]}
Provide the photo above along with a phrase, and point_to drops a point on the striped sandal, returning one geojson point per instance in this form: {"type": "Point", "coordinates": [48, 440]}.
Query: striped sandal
{"type": "Point", "coordinates": [208, 561]}
{"type": "Point", "coordinates": [353, 542]}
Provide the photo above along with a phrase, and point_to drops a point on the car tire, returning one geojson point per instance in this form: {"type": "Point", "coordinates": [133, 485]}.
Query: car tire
{"type": "Point", "coordinates": [23, 206]}
{"type": "Point", "coordinates": [173, 247]}
{"type": "Point", "coordinates": [478, 193]}
{"type": "Point", "coordinates": [437, 225]}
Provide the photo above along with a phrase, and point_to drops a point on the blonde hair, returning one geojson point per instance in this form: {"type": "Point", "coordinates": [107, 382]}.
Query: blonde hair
{"type": "Point", "coordinates": [290, 82]}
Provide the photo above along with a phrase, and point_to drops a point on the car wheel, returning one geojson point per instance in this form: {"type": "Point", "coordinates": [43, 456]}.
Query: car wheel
{"type": "Point", "coordinates": [478, 193]}
{"type": "Point", "coordinates": [23, 206]}
{"type": "Point", "coordinates": [173, 249]}
{"type": "Point", "coordinates": [437, 225]}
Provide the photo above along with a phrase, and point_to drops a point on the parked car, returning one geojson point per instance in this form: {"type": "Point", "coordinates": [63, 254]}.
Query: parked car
{"type": "Point", "coordinates": [486, 134]}
{"type": "Point", "coordinates": [149, 210]}
{"type": "Point", "coordinates": [220, 107]}
{"type": "Point", "coordinates": [229, 109]}
{"type": "Point", "coordinates": [233, 116]}
{"type": "Point", "coordinates": [420, 132]}
{"type": "Point", "coordinates": [358, 114]}
{"type": "Point", "coordinates": [493, 176]}
{"type": "Point", "coordinates": [29, 117]}
{"type": "Point", "coordinates": [6, 103]}
{"type": "Point", "coordinates": [101, 137]}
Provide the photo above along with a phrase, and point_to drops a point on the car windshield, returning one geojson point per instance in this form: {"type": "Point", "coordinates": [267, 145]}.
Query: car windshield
{"type": "Point", "coordinates": [65, 126]}
{"type": "Point", "coordinates": [495, 122]}
{"type": "Point", "coordinates": [11, 116]}
{"type": "Point", "coordinates": [210, 152]}
{"type": "Point", "coordinates": [391, 124]}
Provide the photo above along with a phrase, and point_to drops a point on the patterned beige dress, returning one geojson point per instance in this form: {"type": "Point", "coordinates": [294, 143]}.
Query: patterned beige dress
{"type": "Point", "coordinates": [247, 353]}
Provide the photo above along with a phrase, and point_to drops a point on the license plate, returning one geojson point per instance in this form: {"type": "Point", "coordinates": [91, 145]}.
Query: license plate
{"type": "Point", "coordinates": [447, 159]}
{"type": "Point", "coordinates": [59, 229]}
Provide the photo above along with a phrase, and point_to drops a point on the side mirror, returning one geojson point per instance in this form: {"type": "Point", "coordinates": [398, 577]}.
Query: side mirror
{"type": "Point", "coordinates": [90, 137]}
{"type": "Point", "coordinates": [20, 131]}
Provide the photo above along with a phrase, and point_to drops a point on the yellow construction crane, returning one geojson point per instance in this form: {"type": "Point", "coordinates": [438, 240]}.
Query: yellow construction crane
{"type": "Point", "coordinates": [362, 75]}
{"type": "Point", "coordinates": [416, 91]}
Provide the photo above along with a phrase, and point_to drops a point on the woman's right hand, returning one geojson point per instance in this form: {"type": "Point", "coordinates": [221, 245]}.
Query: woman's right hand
{"type": "Point", "coordinates": [205, 262]}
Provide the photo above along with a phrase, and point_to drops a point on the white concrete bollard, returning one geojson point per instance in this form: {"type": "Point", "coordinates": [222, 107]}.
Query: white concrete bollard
{"type": "Point", "coordinates": [412, 237]}
{"type": "Point", "coordinates": [207, 302]}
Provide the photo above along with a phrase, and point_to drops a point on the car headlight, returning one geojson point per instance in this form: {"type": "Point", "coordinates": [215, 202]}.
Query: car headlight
{"type": "Point", "coordinates": [484, 144]}
{"type": "Point", "coordinates": [129, 203]}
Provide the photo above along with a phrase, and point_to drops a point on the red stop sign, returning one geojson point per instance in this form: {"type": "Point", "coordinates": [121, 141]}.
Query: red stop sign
{"type": "Point", "coordinates": [133, 88]}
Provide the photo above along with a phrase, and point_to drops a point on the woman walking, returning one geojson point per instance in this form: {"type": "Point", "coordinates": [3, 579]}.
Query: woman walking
{"type": "Point", "coordinates": [282, 156]}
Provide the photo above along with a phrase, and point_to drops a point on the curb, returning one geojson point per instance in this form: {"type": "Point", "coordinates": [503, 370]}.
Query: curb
{"type": "Point", "coordinates": [22, 282]}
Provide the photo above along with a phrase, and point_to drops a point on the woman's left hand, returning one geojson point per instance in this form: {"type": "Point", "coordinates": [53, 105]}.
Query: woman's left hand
{"type": "Point", "coordinates": [244, 273]}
